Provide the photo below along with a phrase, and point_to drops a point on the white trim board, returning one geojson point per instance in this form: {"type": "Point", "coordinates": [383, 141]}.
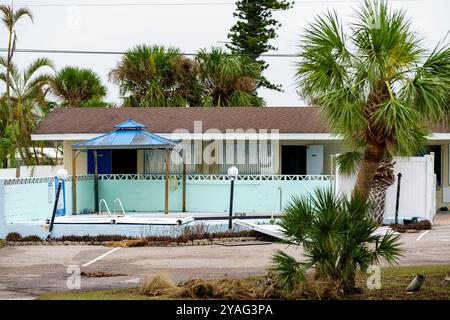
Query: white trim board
{"type": "Point", "coordinates": [198, 136]}
{"type": "Point", "coordinates": [210, 136]}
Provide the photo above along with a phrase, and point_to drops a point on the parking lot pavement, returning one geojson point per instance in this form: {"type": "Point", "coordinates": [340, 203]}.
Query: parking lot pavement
{"type": "Point", "coordinates": [27, 271]}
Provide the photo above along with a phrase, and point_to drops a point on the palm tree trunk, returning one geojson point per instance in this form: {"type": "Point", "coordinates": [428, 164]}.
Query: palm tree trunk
{"type": "Point", "coordinates": [371, 161]}
{"type": "Point", "coordinates": [383, 179]}
{"type": "Point", "coordinates": [348, 287]}
{"type": "Point", "coordinates": [8, 96]}
{"type": "Point", "coordinates": [35, 154]}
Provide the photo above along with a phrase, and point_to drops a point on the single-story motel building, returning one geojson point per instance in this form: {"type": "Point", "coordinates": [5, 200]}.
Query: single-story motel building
{"type": "Point", "coordinates": [144, 162]}
{"type": "Point", "coordinates": [297, 140]}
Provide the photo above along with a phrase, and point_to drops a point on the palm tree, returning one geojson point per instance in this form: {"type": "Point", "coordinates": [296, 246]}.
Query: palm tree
{"type": "Point", "coordinates": [377, 86]}
{"type": "Point", "coordinates": [6, 140]}
{"type": "Point", "coordinates": [28, 99]}
{"type": "Point", "coordinates": [229, 80]}
{"type": "Point", "coordinates": [156, 76]}
{"type": "Point", "coordinates": [10, 17]}
{"type": "Point", "coordinates": [338, 239]}
{"type": "Point", "coordinates": [348, 164]}
{"type": "Point", "coordinates": [77, 87]}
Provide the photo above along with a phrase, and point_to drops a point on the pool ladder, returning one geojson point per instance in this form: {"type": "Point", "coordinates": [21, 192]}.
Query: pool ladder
{"type": "Point", "coordinates": [117, 200]}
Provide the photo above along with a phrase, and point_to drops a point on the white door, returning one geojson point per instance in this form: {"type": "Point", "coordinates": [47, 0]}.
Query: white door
{"type": "Point", "coordinates": [314, 159]}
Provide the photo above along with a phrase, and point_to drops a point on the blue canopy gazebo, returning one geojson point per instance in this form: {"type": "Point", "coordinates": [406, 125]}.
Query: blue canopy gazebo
{"type": "Point", "coordinates": [129, 135]}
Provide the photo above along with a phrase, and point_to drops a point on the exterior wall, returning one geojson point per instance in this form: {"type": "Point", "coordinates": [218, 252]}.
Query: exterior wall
{"type": "Point", "coordinates": [444, 175]}
{"type": "Point", "coordinates": [81, 158]}
{"type": "Point", "coordinates": [329, 148]}
{"type": "Point", "coordinates": [140, 161]}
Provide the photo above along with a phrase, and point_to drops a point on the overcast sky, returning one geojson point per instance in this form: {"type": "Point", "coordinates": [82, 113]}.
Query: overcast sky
{"type": "Point", "coordinates": [117, 25]}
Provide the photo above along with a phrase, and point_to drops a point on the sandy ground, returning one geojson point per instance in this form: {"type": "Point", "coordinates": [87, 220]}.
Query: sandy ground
{"type": "Point", "coordinates": [27, 271]}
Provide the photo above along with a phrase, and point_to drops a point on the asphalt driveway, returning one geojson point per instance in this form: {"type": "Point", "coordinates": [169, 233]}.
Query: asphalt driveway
{"type": "Point", "coordinates": [27, 271]}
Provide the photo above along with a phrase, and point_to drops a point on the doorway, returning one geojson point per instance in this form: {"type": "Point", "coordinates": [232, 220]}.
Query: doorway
{"type": "Point", "coordinates": [104, 158]}
{"type": "Point", "coordinates": [124, 161]}
{"type": "Point", "coordinates": [293, 160]}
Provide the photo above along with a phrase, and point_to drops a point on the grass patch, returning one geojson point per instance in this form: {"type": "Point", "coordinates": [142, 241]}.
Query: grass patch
{"type": "Point", "coordinates": [394, 281]}
{"type": "Point", "coordinates": [2, 243]}
{"type": "Point", "coordinates": [118, 294]}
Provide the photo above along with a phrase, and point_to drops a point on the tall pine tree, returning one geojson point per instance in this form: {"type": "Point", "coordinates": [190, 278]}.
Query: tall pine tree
{"type": "Point", "coordinates": [254, 29]}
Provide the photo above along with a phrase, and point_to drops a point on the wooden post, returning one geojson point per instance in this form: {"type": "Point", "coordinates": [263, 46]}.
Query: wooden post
{"type": "Point", "coordinates": [184, 186]}
{"type": "Point", "coordinates": [184, 181]}
{"type": "Point", "coordinates": [166, 187]}
{"type": "Point", "coordinates": [74, 182]}
{"type": "Point", "coordinates": [96, 181]}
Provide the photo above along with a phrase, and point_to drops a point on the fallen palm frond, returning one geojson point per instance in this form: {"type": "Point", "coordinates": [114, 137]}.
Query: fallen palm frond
{"type": "Point", "coordinates": [311, 289]}
{"type": "Point", "coordinates": [217, 289]}
{"type": "Point", "coordinates": [319, 289]}
{"type": "Point", "coordinates": [100, 274]}
{"type": "Point", "coordinates": [129, 243]}
{"type": "Point", "coordinates": [159, 285]}
{"type": "Point", "coordinates": [196, 289]}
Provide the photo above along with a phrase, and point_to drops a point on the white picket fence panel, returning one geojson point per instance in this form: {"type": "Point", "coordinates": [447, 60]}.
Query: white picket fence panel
{"type": "Point", "coordinates": [417, 188]}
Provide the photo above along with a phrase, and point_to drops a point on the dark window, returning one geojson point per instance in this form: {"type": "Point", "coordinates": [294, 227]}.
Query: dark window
{"type": "Point", "coordinates": [293, 160]}
{"type": "Point", "coordinates": [437, 163]}
{"type": "Point", "coordinates": [124, 161]}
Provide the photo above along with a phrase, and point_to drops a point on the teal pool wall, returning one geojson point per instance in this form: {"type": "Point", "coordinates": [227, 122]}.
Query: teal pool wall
{"type": "Point", "coordinates": [205, 195]}
{"type": "Point", "coordinates": [29, 199]}
{"type": "Point", "coordinates": [85, 195]}
{"type": "Point", "coordinates": [25, 200]}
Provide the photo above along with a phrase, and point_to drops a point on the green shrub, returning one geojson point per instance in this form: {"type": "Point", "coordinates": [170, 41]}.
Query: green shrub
{"type": "Point", "coordinates": [338, 238]}
{"type": "Point", "coordinates": [13, 236]}
{"type": "Point", "coordinates": [32, 238]}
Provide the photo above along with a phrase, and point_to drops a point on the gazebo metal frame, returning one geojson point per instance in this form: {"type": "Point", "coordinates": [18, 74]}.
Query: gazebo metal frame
{"type": "Point", "coordinates": [128, 135]}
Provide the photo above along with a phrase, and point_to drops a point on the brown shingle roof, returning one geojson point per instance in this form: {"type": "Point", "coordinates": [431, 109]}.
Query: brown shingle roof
{"type": "Point", "coordinates": [166, 120]}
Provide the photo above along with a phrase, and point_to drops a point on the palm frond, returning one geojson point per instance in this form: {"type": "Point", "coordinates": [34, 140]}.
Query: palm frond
{"type": "Point", "coordinates": [349, 162]}
{"type": "Point", "coordinates": [324, 56]}
{"type": "Point", "coordinates": [428, 90]}
{"type": "Point", "coordinates": [288, 270]}
{"type": "Point", "coordinates": [35, 66]}
{"type": "Point", "coordinates": [75, 86]}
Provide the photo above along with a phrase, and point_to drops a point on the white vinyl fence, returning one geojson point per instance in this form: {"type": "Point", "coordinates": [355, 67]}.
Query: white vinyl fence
{"type": "Point", "coordinates": [8, 173]}
{"type": "Point", "coordinates": [417, 188]}
{"type": "Point", "coordinates": [39, 171]}
{"type": "Point", "coordinates": [30, 172]}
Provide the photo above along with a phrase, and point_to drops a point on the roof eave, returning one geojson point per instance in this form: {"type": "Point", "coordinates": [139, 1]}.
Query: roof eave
{"type": "Point", "coordinates": [122, 147]}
